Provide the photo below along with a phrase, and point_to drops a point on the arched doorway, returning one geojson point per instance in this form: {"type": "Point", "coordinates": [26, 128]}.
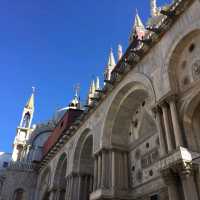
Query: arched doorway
{"type": "Point", "coordinates": [86, 169]}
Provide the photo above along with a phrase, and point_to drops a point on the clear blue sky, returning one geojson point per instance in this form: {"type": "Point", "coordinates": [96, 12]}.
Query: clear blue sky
{"type": "Point", "coordinates": [53, 45]}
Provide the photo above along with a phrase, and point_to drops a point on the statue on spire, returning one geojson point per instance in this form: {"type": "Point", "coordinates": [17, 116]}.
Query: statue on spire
{"type": "Point", "coordinates": [138, 30]}
{"type": "Point", "coordinates": [154, 8]}
{"type": "Point", "coordinates": [110, 66]}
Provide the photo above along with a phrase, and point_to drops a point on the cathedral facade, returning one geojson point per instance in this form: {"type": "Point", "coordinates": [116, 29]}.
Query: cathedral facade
{"type": "Point", "coordinates": [138, 137]}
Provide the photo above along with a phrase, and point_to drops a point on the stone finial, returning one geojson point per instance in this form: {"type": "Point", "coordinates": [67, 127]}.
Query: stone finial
{"type": "Point", "coordinates": [110, 66]}
{"type": "Point", "coordinates": [154, 8]}
{"type": "Point", "coordinates": [97, 84]}
{"type": "Point", "coordinates": [138, 30]}
{"type": "Point", "coordinates": [120, 52]}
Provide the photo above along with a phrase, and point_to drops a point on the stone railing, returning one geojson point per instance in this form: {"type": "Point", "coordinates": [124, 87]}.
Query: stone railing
{"type": "Point", "coordinates": [20, 165]}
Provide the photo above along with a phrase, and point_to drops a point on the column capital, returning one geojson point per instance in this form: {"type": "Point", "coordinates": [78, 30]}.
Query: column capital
{"type": "Point", "coordinates": [186, 169]}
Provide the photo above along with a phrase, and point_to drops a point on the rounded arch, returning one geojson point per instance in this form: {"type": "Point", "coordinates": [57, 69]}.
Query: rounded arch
{"type": "Point", "coordinates": [180, 59]}
{"type": "Point", "coordinates": [44, 183]}
{"type": "Point", "coordinates": [191, 121]}
{"type": "Point", "coordinates": [59, 182]}
{"type": "Point", "coordinates": [60, 171]}
{"type": "Point", "coordinates": [78, 146]}
{"type": "Point", "coordinates": [85, 165]}
{"type": "Point", "coordinates": [135, 89]}
{"type": "Point", "coordinates": [19, 194]}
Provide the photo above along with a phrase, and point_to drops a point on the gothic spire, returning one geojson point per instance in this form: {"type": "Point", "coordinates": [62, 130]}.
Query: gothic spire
{"type": "Point", "coordinates": [138, 30]}
{"type": "Point", "coordinates": [30, 103]}
{"type": "Point", "coordinates": [111, 59]}
{"type": "Point", "coordinates": [97, 84]}
{"type": "Point", "coordinates": [110, 66]}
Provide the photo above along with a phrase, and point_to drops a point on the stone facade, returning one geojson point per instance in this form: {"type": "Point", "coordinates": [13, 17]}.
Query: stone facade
{"type": "Point", "coordinates": [139, 138]}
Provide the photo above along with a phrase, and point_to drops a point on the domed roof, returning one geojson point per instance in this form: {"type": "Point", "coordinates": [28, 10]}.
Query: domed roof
{"type": "Point", "coordinates": [59, 114]}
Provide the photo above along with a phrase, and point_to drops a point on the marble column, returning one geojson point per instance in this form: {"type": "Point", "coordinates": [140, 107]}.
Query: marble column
{"type": "Point", "coordinates": [167, 127]}
{"type": "Point", "coordinates": [125, 156]}
{"type": "Point", "coordinates": [189, 186]}
{"type": "Point", "coordinates": [53, 194]}
{"type": "Point", "coordinates": [95, 173]}
{"type": "Point", "coordinates": [99, 169]}
{"type": "Point", "coordinates": [176, 123]}
{"type": "Point", "coordinates": [103, 182]}
{"type": "Point", "coordinates": [113, 169]}
{"type": "Point", "coordinates": [161, 133]}
{"type": "Point", "coordinates": [171, 182]}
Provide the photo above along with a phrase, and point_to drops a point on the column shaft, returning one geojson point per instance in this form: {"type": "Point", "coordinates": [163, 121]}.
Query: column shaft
{"type": "Point", "coordinates": [113, 169]}
{"type": "Point", "coordinates": [161, 132]}
{"type": "Point", "coordinates": [176, 124]}
{"type": "Point", "coordinates": [95, 173]}
{"type": "Point", "coordinates": [99, 170]}
{"type": "Point", "coordinates": [103, 182]}
{"type": "Point", "coordinates": [125, 155]}
{"type": "Point", "coordinates": [167, 128]}
{"type": "Point", "coordinates": [189, 187]}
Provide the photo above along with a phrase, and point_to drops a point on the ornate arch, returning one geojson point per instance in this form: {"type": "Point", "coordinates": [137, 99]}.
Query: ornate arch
{"type": "Point", "coordinates": [44, 183]}
{"type": "Point", "coordinates": [136, 86]}
{"type": "Point", "coordinates": [60, 172]}
{"type": "Point", "coordinates": [78, 147]}
{"type": "Point", "coordinates": [174, 55]}
{"type": "Point", "coordinates": [192, 105]}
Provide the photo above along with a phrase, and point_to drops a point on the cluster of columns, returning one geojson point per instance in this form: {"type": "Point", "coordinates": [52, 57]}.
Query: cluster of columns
{"type": "Point", "coordinates": [179, 180]}
{"type": "Point", "coordinates": [167, 119]}
{"type": "Point", "coordinates": [111, 170]}
{"type": "Point", "coordinates": [77, 187]}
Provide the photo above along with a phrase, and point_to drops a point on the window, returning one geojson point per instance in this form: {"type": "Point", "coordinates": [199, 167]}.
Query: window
{"type": "Point", "coordinates": [5, 164]}
{"type": "Point", "coordinates": [26, 120]}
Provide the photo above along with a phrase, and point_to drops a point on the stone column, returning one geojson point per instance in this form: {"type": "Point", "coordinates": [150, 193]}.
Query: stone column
{"type": "Point", "coordinates": [53, 194]}
{"type": "Point", "coordinates": [125, 156]}
{"type": "Point", "coordinates": [189, 186]}
{"type": "Point", "coordinates": [113, 169]}
{"type": "Point", "coordinates": [103, 182]}
{"type": "Point", "coordinates": [171, 182]}
{"type": "Point", "coordinates": [167, 127]}
{"type": "Point", "coordinates": [95, 173]}
{"type": "Point", "coordinates": [99, 170]}
{"type": "Point", "coordinates": [161, 133]}
{"type": "Point", "coordinates": [176, 123]}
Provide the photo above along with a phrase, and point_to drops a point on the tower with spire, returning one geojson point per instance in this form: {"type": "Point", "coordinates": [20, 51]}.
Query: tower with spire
{"type": "Point", "coordinates": [24, 129]}
{"type": "Point", "coordinates": [138, 30]}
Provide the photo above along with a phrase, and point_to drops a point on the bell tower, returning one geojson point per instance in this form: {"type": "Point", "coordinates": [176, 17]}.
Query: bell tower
{"type": "Point", "coordinates": [24, 129]}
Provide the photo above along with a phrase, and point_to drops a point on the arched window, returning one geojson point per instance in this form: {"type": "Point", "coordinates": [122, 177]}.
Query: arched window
{"type": "Point", "coordinates": [20, 149]}
{"type": "Point", "coordinates": [26, 120]}
{"type": "Point", "coordinates": [19, 194]}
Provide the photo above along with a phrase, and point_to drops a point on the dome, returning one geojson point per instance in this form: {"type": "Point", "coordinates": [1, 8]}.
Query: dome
{"type": "Point", "coordinates": [59, 114]}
